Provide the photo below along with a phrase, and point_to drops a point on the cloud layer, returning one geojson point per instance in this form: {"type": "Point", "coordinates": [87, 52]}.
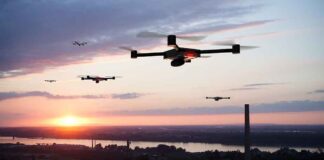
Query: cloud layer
{"type": "Point", "coordinates": [36, 35]}
{"type": "Point", "coordinates": [284, 106]}
{"type": "Point", "coordinates": [14, 95]}
{"type": "Point", "coordinates": [318, 91]}
{"type": "Point", "coordinates": [255, 86]}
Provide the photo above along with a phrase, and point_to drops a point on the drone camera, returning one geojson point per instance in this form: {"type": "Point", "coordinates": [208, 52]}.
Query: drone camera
{"type": "Point", "coordinates": [177, 62]}
{"type": "Point", "coordinates": [236, 49]}
{"type": "Point", "coordinates": [133, 54]}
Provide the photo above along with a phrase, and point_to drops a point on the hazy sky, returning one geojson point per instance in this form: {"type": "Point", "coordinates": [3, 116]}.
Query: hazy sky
{"type": "Point", "coordinates": [283, 80]}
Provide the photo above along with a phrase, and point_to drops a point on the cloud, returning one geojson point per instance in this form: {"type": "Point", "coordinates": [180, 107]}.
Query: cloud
{"type": "Point", "coordinates": [14, 95]}
{"type": "Point", "coordinates": [284, 106]}
{"type": "Point", "coordinates": [233, 26]}
{"type": "Point", "coordinates": [318, 91]}
{"type": "Point", "coordinates": [36, 35]}
{"type": "Point", "coordinates": [262, 84]}
{"type": "Point", "coordinates": [255, 86]}
{"type": "Point", "coordinates": [243, 89]}
{"type": "Point", "coordinates": [11, 116]}
{"type": "Point", "coordinates": [126, 95]}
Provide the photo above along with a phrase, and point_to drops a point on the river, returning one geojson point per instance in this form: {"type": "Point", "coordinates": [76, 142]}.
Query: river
{"type": "Point", "coordinates": [190, 147]}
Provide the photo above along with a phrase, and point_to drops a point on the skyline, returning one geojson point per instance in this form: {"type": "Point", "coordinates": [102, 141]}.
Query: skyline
{"type": "Point", "coordinates": [282, 80]}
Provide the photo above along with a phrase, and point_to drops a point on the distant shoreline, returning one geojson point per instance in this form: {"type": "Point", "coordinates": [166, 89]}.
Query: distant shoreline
{"type": "Point", "coordinates": [157, 141]}
{"type": "Point", "coordinates": [269, 135]}
{"type": "Point", "coordinates": [72, 151]}
{"type": "Point", "coordinates": [189, 146]}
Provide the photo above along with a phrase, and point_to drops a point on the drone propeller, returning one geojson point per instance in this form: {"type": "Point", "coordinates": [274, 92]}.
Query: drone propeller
{"type": "Point", "coordinates": [80, 76]}
{"type": "Point", "coordinates": [204, 56]}
{"type": "Point", "coordinates": [112, 77]}
{"type": "Point", "coordinates": [231, 43]}
{"type": "Point", "coordinates": [147, 34]}
{"type": "Point", "coordinates": [126, 48]}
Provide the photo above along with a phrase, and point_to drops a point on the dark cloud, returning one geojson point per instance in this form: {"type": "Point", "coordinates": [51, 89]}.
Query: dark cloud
{"type": "Point", "coordinates": [14, 95]}
{"type": "Point", "coordinates": [255, 86]}
{"type": "Point", "coordinates": [262, 84]}
{"type": "Point", "coordinates": [127, 95]}
{"type": "Point", "coordinates": [320, 91]}
{"type": "Point", "coordinates": [11, 116]}
{"type": "Point", "coordinates": [284, 106]}
{"type": "Point", "coordinates": [35, 35]}
{"type": "Point", "coordinates": [231, 26]}
{"type": "Point", "coordinates": [243, 89]}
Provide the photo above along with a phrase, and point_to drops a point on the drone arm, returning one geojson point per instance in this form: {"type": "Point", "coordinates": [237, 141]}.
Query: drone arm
{"type": "Point", "coordinates": [235, 50]}
{"type": "Point", "coordinates": [149, 54]}
{"type": "Point", "coordinates": [215, 51]}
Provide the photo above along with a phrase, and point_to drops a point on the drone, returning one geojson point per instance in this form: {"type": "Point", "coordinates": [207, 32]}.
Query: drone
{"type": "Point", "coordinates": [180, 55]}
{"type": "Point", "coordinates": [97, 79]}
{"type": "Point", "coordinates": [50, 80]}
{"type": "Point", "coordinates": [218, 98]}
{"type": "Point", "coordinates": [77, 43]}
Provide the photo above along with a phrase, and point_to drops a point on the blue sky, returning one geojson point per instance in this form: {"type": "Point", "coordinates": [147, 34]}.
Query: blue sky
{"type": "Point", "coordinates": [36, 37]}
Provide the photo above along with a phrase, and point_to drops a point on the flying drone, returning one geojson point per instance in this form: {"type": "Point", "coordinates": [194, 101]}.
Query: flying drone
{"type": "Point", "coordinates": [77, 43]}
{"type": "Point", "coordinates": [97, 79]}
{"type": "Point", "coordinates": [218, 98]}
{"type": "Point", "coordinates": [180, 55]}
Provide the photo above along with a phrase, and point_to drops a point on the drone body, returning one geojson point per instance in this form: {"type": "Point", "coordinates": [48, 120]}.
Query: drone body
{"type": "Point", "coordinates": [97, 79]}
{"type": "Point", "coordinates": [180, 55]}
{"type": "Point", "coordinates": [77, 43]}
{"type": "Point", "coordinates": [218, 98]}
{"type": "Point", "coordinates": [50, 80]}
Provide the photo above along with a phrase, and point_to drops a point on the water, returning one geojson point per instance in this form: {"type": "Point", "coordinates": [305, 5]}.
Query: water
{"type": "Point", "coordinates": [190, 147]}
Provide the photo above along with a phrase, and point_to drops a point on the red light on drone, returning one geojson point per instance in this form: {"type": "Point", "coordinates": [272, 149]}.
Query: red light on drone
{"type": "Point", "coordinates": [190, 54]}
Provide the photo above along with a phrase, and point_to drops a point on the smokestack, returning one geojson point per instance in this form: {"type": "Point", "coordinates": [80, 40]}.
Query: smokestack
{"type": "Point", "coordinates": [247, 144]}
{"type": "Point", "coordinates": [128, 144]}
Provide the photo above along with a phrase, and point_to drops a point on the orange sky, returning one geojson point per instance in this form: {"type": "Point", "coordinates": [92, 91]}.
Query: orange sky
{"type": "Point", "coordinates": [287, 68]}
{"type": "Point", "coordinates": [228, 119]}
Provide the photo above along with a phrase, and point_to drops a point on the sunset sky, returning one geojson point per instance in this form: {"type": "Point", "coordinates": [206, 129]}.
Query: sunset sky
{"type": "Point", "coordinates": [282, 80]}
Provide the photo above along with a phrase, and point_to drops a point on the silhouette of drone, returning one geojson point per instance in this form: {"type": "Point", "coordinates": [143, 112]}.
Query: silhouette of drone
{"type": "Point", "coordinates": [218, 98]}
{"type": "Point", "coordinates": [50, 80]}
{"type": "Point", "coordinates": [97, 79]}
{"type": "Point", "coordinates": [179, 55]}
{"type": "Point", "coordinates": [77, 43]}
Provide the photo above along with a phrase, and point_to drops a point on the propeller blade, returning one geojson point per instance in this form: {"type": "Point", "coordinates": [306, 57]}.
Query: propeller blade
{"type": "Point", "coordinates": [204, 56]}
{"type": "Point", "coordinates": [232, 42]}
{"type": "Point", "coordinates": [147, 34]}
{"type": "Point", "coordinates": [126, 48]}
{"type": "Point", "coordinates": [191, 38]}
{"type": "Point", "coordinates": [249, 47]}
{"type": "Point", "coordinates": [118, 76]}
{"type": "Point", "coordinates": [87, 76]}
{"type": "Point", "coordinates": [224, 43]}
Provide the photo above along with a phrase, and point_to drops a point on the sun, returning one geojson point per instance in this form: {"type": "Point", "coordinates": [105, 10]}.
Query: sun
{"type": "Point", "coordinates": [69, 121]}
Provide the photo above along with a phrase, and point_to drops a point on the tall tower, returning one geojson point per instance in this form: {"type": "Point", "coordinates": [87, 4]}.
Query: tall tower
{"type": "Point", "coordinates": [247, 144]}
{"type": "Point", "coordinates": [128, 144]}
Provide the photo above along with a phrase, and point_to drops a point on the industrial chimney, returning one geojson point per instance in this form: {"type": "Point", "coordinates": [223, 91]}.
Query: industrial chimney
{"type": "Point", "coordinates": [247, 144]}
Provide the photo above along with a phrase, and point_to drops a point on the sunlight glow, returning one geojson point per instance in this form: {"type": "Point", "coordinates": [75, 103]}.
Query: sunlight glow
{"type": "Point", "coordinates": [68, 121]}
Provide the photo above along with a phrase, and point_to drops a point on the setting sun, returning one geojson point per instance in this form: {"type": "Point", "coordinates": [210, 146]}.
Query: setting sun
{"type": "Point", "coordinates": [70, 121]}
